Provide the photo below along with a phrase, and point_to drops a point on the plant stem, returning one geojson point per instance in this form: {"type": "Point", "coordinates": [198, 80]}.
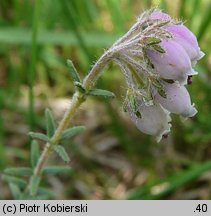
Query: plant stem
{"type": "Point", "coordinates": [77, 100]}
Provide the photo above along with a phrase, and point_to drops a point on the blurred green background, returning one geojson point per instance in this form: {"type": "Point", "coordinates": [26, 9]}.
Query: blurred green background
{"type": "Point", "coordinates": [112, 159]}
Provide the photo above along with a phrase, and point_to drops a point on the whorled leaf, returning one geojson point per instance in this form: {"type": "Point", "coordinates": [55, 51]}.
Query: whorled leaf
{"type": "Point", "coordinates": [70, 132]}
{"type": "Point", "coordinates": [60, 150]}
{"type": "Point", "coordinates": [101, 93]}
{"type": "Point", "coordinates": [39, 136]}
{"type": "Point", "coordinates": [50, 123]}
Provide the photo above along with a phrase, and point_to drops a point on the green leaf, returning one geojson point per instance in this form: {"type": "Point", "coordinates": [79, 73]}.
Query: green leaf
{"type": "Point", "coordinates": [73, 72]}
{"type": "Point", "coordinates": [70, 132]}
{"type": "Point", "coordinates": [50, 123]}
{"type": "Point", "coordinates": [34, 153]}
{"type": "Point", "coordinates": [34, 185]}
{"type": "Point", "coordinates": [15, 190]}
{"type": "Point", "coordinates": [18, 171]}
{"type": "Point", "coordinates": [151, 40]}
{"type": "Point", "coordinates": [39, 136]}
{"type": "Point", "coordinates": [11, 179]}
{"type": "Point", "coordinates": [61, 152]}
{"type": "Point", "coordinates": [100, 92]}
{"type": "Point", "coordinates": [56, 169]}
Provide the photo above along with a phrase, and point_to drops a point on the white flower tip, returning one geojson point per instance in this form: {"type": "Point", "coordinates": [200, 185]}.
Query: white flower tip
{"type": "Point", "coordinates": [163, 133]}
{"type": "Point", "coordinates": [201, 55]}
{"type": "Point", "coordinates": [190, 113]}
{"type": "Point", "coordinates": [192, 72]}
{"type": "Point", "coordinates": [165, 130]}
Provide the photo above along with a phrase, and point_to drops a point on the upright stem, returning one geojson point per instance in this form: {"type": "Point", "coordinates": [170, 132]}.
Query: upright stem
{"type": "Point", "coordinates": [77, 100]}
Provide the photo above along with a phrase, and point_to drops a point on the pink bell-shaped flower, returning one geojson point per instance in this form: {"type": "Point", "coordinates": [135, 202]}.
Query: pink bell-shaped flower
{"type": "Point", "coordinates": [174, 64]}
{"type": "Point", "coordinates": [177, 101]}
{"type": "Point", "coordinates": [154, 120]}
{"type": "Point", "coordinates": [183, 36]}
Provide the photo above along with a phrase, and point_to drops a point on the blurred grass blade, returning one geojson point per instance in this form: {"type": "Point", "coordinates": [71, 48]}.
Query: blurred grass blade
{"type": "Point", "coordinates": [115, 13]}
{"type": "Point", "coordinates": [182, 12]}
{"type": "Point", "coordinates": [72, 17]}
{"type": "Point", "coordinates": [32, 69]}
{"type": "Point", "coordinates": [196, 5]}
{"type": "Point", "coordinates": [34, 153]}
{"type": "Point", "coordinates": [170, 185]}
{"type": "Point", "coordinates": [50, 123]}
{"type": "Point", "coordinates": [205, 23]}
{"type": "Point", "coordinates": [22, 36]}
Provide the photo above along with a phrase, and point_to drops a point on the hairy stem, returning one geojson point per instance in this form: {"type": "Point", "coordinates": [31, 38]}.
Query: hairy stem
{"type": "Point", "coordinates": [77, 100]}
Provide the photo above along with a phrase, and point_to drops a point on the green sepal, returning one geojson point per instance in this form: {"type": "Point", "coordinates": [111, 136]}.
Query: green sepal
{"type": "Point", "coordinates": [101, 93]}
{"type": "Point", "coordinates": [162, 93]}
{"type": "Point", "coordinates": [39, 136]}
{"type": "Point", "coordinates": [73, 72]}
{"type": "Point", "coordinates": [159, 86]}
{"type": "Point", "coordinates": [60, 150]}
{"type": "Point", "coordinates": [70, 132]}
{"type": "Point", "coordinates": [56, 169]}
{"type": "Point", "coordinates": [50, 123]}
{"type": "Point", "coordinates": [163, 23]}
{"type": "Point", "coordinates": [151, 40]}
{"type": "Point", "coordinates": [158, 48]}
{"type": "Point", "coordinates": [132, 102]}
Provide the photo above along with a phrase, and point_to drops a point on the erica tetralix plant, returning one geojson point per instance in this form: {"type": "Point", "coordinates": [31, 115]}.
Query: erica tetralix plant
{"type": "Point", "coordinates": [157, 58]}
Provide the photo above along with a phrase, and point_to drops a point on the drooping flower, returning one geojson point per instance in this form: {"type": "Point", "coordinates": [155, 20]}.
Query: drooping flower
{"type": "Point", "coordinates": [174, 64]}
{"type": "Point", "coordinates": [183, 36]}
{"type": "Point", "coordinates": [157, 55]}
{"type": "Point", "coordinates": [177, 100]}
{"type": "Point", "coordinates": [154, 119]}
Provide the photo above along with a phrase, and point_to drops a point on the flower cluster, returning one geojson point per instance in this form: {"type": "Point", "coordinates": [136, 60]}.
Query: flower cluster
{"type": "Point", "coordinates": [156, 56]}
